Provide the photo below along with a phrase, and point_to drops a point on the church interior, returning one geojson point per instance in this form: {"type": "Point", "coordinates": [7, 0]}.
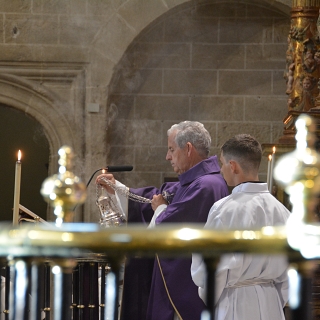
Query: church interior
{"type": "Point", "coordinates": [107, 79]}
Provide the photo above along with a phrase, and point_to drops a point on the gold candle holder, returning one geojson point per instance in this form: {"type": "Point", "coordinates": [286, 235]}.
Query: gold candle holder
{"type": "Point", "coordinates": [64, 191]}
{"type": "Point", "coordinates": [297, 172]}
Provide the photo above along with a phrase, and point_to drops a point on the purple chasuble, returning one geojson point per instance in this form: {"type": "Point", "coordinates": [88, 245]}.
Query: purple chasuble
{"type": "Point", "coordinates": [144, 295]}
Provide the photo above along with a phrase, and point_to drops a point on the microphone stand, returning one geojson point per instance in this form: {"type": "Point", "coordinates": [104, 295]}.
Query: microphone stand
{"type": "Point", "coordinates": [112, 169]}
{"type": "Point", "coordinates": [94, 174]}
{"type": "Point", "coordinates": [108, 169]}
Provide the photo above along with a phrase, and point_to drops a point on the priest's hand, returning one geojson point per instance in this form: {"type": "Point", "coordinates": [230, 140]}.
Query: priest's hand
{"type": "Point", "coordinates": [157, 200]}
{"type": "Point", "coordinates": [110, 178]}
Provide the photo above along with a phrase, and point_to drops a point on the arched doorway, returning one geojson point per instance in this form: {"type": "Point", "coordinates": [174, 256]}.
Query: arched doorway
{"type": "Point", "coordinates": [20, 131]}
{"type": "Point", "coordinates": [44, 109]}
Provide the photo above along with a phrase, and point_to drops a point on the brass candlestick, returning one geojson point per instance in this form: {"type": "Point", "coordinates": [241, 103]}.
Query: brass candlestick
{"type": "Point", "coordinates": [298, 172]}
{"type": "Point", "coordinates": [64, 190]}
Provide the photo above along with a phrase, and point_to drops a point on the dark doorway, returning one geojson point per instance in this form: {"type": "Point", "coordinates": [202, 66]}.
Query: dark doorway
{"type": "Point", "coordinates": [21, 132]}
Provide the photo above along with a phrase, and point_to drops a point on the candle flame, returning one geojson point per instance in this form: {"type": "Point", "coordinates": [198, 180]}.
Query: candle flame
{"type": "Point", "coordinates": [274, 149]}
{"type": "Point", "coordinates": [270, 157]}
{"type": "Point", "coordinates": [19, 155]}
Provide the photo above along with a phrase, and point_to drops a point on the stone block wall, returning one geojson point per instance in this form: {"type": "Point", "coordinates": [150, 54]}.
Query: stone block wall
{"type": "Point", "coordinates": [148, 64]}
{"type": "Point", "coordinates": [218, 63]}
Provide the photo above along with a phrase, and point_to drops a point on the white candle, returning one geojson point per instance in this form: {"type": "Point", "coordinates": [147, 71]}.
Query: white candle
{"type": "Point", "coordinates": [17, 182]}
{"type": "Point", "coordinates": [271, 169]}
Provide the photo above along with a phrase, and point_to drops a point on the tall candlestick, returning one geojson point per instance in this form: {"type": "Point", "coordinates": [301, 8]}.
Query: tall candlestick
{"type": "Point", "coordinates": [271, 169]}
{"type": "Point", "coordinates": [17, 183]}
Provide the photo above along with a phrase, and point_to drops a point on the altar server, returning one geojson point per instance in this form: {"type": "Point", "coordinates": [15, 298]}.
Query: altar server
{"type": "Point", "coordinates": [247, 286]}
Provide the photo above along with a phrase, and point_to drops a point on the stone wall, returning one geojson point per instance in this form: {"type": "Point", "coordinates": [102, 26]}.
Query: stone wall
{"type": "Point", "coordinates": [220, 64]}
{"type": "Point", "coordinates": [147, 64]}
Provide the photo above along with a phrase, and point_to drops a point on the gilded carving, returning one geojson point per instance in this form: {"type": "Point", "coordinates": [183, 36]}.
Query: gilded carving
{"type": "Point", "coordinates": [303, 61]}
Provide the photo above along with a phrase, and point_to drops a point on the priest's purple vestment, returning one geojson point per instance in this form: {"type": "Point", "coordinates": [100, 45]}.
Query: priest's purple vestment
{"type": "Point", "coordinates": [190, 199]}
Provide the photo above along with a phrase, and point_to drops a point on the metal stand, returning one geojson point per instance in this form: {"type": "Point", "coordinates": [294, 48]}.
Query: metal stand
{"type": "Point", "coordinates": [211, 264]}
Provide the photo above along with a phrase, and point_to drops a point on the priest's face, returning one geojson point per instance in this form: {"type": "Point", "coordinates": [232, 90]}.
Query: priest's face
{"type": "Point", "coordinates": [178, 157]}
{"type": "Point", "coordinates": [226, 170]}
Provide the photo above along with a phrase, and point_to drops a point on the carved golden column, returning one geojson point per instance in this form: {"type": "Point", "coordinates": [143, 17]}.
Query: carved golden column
{"type": "Point", "coordinates": [302, 64]}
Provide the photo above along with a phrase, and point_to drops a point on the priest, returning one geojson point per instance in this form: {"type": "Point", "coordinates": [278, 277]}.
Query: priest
{"type": "Point", "coordinates": [162, 288]}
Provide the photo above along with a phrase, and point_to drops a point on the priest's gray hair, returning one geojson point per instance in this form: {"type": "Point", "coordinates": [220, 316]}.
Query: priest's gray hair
{"type": "Point", "coordinates": [193, 132]}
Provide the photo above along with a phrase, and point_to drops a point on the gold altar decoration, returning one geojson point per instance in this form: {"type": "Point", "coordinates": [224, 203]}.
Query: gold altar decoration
{"type": "Point", "coordinates": [303, 57]}
{"type": "Point", "coordinates": [64, 190]}
{"type": "Point", "coordinates": [302, 72]}
{"type": "Point", "coordinates": [169, 240]}
{"type": "Point", "coordinates": [298, 172]}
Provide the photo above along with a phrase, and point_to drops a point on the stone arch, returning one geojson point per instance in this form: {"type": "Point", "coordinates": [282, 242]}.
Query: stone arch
{"type": "Point", "coordinates": [137, 132]}
{"type": "Point", "coordinates": [42, 105]}
{"type": "Point", "coordinates": [133, 16]}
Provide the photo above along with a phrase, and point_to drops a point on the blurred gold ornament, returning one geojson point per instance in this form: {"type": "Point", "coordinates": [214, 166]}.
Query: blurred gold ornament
{"type": "Point", "coordinates": [64, 191]}
{"type": "Point", "coordinates": [298, 172]}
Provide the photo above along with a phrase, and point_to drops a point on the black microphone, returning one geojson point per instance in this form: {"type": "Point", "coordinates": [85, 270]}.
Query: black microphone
{"type": "Point", "coordinates": [119, 168]}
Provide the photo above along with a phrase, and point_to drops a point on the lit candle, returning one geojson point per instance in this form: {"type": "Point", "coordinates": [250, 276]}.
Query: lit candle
{"type": "Point", "coordinates": [17, 183]}
{"type": "Point", "coordinates": [271, 169]}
